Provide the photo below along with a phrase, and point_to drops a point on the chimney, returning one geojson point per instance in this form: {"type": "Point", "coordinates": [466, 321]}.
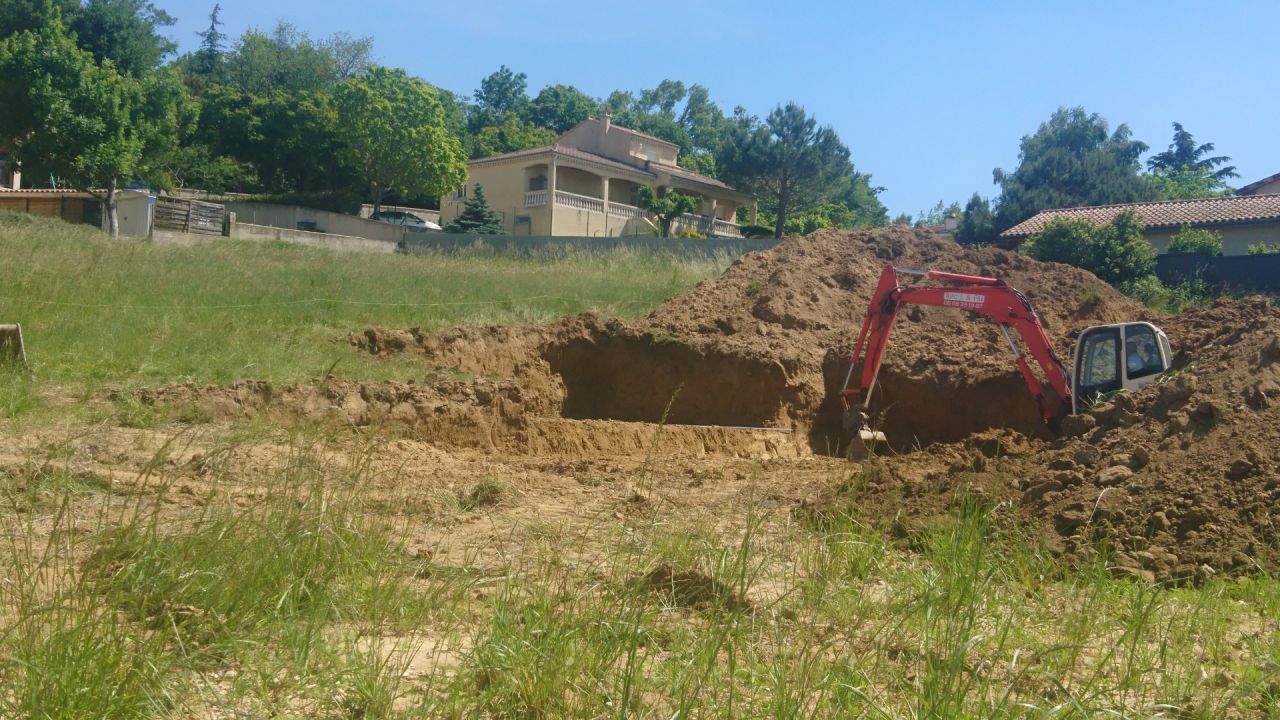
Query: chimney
{"type": "Point", "coordinates": [607, 119]}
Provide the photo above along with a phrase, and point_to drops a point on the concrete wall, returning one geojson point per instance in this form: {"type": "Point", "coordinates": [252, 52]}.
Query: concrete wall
{"type": "Point", "coordinates": [289, 217]}
{"type": "Point", "coordinates": [248, 231]}
{"type": "Point", "coordinates": [1236, 239]}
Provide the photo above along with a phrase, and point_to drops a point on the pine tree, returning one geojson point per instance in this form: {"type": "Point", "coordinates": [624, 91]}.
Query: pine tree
{"type": "Point", "coordinates": [211, 43]}
{"type": "Point", "coordinates": [477, 218]}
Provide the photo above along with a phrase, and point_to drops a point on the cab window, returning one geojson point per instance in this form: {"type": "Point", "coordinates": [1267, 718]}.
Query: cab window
{"type": "Point", "coordinates": [1141, 352]}
{"type": "Point", "coordinates": [1098, 366]}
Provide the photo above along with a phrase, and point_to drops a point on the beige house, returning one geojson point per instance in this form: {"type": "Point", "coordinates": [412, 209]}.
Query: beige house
{"type": "Point", "coordinates": [585, 184]}
{"type": "Point", "coordinates": [1243, 220]}
{"type": "Point", "coordinates": [1269, 185]}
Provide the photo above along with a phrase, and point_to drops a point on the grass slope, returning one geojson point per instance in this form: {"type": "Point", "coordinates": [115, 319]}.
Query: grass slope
{"type": "Point", "coordinates": [95, 310]}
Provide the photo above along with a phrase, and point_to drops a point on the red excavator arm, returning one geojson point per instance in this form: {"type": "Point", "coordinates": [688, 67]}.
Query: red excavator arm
{"type": "Point", "coordinates": [989, 296]}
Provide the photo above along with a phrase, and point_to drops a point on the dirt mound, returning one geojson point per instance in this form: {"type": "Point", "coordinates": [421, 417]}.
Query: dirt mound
{"type": "Point", "coordinates": [1179, 481]}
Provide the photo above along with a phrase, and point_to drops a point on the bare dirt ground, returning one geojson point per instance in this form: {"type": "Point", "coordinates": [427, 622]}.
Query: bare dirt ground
{"type": "Point", "coordinates": [731, 386]}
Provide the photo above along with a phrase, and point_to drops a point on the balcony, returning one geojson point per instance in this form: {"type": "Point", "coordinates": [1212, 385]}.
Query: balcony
{"type": "Point", "coordinates": [535, 198]}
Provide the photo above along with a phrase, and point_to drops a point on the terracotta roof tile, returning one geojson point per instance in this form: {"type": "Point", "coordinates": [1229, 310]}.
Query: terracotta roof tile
{"type": "Point", "coordinates": [691, 175]}
{"type": "Point", "coordinates": [1173, 213]}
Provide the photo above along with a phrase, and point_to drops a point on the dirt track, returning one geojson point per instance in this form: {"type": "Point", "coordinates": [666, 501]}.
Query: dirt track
{"type": "Point", "coordinates": [1180, 480]}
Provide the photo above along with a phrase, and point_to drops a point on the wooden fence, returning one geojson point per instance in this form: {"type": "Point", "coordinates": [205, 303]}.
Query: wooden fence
{"type": "Point", "coordinates": [189, 216]}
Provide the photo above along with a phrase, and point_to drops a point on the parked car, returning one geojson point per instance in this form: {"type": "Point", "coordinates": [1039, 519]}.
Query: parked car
{"type": "Point", "coordinates": [411, 222]}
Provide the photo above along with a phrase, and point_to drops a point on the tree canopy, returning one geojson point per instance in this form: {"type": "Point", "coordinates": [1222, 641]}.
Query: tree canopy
{"type": "Point", "coordinates": [391, 129]}
{"type": "Point", "coordinates": [1072, 159]}
{"type": "Point", "coordinates": [87, 123]}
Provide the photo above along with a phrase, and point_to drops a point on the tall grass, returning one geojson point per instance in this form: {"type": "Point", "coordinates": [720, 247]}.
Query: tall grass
{"type": "Point", "coordinates": [95, 310]}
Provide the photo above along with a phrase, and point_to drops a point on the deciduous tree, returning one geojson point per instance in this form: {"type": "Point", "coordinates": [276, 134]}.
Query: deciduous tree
{"type": "Point", "coordinates": [666, 208]}
{"type": "Point", "coordinates": [84, 122]}
{"type": "Point", "coordinates": [560, 107]}
{"type": "Point", "coordinates": [391, 127]}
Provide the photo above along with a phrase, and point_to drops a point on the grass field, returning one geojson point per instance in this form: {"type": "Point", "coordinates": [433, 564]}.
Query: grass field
{"type": "Point", "coordinates": [96, 311]}
{"type": "Point", "coordinates": [243, 569]}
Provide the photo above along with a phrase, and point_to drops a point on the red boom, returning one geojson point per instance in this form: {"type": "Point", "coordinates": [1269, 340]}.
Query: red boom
{"type": "Point", "coordinates": [989, 296]}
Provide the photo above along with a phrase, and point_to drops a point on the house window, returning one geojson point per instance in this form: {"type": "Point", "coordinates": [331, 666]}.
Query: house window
{"type": "Point", "coordinates": [538, 183]}
{"type": "Point", "coordinates": [460, 193]}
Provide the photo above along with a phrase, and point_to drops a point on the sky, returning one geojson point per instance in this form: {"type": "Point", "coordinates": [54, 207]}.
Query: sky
{"type": "Point", "coordinates": [929, 96]}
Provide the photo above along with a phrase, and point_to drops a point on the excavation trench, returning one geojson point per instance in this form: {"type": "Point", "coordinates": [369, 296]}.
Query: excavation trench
{"type": "Point", "coordinates": [643, 378]}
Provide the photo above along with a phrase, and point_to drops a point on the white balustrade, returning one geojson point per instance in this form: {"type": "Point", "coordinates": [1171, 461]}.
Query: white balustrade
{"type": "Point", "coordinates": [535, 198]}
{"type": "Point", "coordinates": [581, 202]}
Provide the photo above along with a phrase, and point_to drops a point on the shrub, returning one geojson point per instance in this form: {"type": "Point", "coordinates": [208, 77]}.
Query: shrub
{"type": "Point", "coordinates": [1265, 249]}
{"type": "Point", "coordinates": [1169, 298]}
{"type": "Point", "coordinates": [1115, 252]}
{"type": "Point", "coordinates": [691, 234]}
{"type": "Point", "coordinates": [1196, 240]}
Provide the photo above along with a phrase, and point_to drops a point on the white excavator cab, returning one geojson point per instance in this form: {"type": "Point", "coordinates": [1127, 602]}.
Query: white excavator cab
{"type": "Point", "coordinates": [1114, 358]}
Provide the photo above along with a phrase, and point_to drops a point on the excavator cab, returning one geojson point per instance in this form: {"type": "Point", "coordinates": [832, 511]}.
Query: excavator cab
{"type": "Point", "coordinates": [1113, 358]}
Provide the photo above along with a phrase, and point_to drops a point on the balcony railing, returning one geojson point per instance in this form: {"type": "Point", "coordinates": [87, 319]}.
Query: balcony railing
{"type": "Point", "coordinates": [705, 225]}
{"type": "Point", "coordinates": [625, 211]}
{"type": "Point", "coordinates": [581, 202]}
{"type": "Point", "coordinates": [535, 198]}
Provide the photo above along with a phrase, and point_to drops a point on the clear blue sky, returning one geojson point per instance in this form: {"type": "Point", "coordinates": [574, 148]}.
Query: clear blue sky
{"type": "Point", "coordinates": [928, 96]}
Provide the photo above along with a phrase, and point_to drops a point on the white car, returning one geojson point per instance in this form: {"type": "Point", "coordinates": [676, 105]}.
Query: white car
{"type": "Point", "coordinates": [399, 217]}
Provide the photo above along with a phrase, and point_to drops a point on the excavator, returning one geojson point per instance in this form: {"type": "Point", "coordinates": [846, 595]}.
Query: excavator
{"type": "Point", "coordinates": [1107, 358]}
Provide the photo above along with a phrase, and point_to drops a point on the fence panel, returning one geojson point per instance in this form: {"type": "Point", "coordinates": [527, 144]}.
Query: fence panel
{"type": "Point", "coordinates": [1248, 273]}
{"type": "Point", "coordinates": [189, 216]}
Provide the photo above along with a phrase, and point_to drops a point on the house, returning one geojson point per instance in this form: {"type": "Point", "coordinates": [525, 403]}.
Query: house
{"type": "Point", "coordinates": [586, 184]}
{"type": "Point", "coordinates": [1266, 186]}
{"type": "Point", "coordinates": [1243, 220]}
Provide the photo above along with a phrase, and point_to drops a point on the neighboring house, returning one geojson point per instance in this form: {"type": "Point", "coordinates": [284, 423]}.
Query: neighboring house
{"type": "Point", "coordinates": [586, 184]}
{"type": "Point", "coordinates": [946, 228]}
{"type": "Point", "coordinates": [1242, 220]}
{"type": "Point", "coordinates": [1266, 186]}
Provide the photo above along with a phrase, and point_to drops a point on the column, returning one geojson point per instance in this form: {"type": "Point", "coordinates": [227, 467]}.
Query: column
{"type": "Point", "coordinates": [551, 195]}
{"type": "Point", "coordinates": [604, 184]}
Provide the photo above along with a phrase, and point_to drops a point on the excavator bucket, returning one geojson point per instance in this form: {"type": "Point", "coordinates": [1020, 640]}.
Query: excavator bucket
{"type": "Point", "coordinates": [863, 442]}
{"type": "Point", "coordinates": [11, 348]}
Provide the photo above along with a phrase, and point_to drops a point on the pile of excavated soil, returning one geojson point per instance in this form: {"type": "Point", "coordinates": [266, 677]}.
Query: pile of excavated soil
{"type": "Point", "coordinates": [1181, 480]}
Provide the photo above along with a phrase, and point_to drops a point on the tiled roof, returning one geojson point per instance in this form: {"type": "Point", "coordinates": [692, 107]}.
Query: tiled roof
{"type": "Point", "coordinates": [569, 152]}
{"type": "Point", "coordinates": [1253, 187]}
{"type": "Point", "coordinates": [1174, 213]}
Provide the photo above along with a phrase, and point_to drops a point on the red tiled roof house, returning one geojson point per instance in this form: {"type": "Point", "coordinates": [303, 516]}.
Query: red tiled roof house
{"type": "Point", "coordinates": [585, 184]}
{"type": "Point", "coordinates": [1243, 220]}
